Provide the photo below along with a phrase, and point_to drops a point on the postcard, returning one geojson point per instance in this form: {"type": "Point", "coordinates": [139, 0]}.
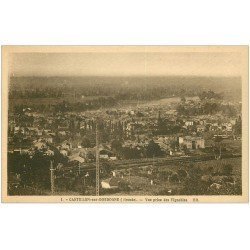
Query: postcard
{"type": "Point", "coordinates": [125, 124]}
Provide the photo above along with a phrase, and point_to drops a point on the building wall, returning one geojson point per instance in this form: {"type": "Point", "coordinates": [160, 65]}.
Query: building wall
{"type": "Point", "coordinates": [200, 143]}
{"type": "Point", "coordinates": [181, 140]}
{"type": "Point", "coordinates": [106, 185]}
{"type": "Point", "coordinates": [188, 144]}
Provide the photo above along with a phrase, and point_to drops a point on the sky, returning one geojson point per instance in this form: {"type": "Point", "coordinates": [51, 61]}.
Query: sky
{"type": "Point", "coordinates": [125, 64]}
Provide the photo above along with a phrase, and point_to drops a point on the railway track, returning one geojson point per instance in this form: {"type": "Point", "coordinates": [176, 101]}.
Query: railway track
{"type": "Point", "coordinates": [160, 161]}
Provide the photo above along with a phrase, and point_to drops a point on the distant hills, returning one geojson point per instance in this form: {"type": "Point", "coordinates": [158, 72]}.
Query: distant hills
{"type": "Point", "coordinates": [103, 85]}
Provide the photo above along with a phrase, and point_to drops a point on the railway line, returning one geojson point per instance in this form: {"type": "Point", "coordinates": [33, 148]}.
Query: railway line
{"type": "Point", "coordinates": [159, 161]}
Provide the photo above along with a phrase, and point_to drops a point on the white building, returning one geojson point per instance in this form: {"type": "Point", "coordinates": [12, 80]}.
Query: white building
{"type": "Point", "coordinates": [192, 142]}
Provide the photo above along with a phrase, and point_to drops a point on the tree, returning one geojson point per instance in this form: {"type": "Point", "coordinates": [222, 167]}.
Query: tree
{"type": "Point", "coordinates": [116, 145]}
{"type": "Point", "coordinates": [227, 169]}
{"type": "Point", "coordinates": [153, 149]}
{"type": "Point", "coordinates": [238, 126]}
{"type": "Point", "coordinates": [40, 169]}
{"type": "Point", "coordinates": [182, 174]}
{"type": "Point", "coordinates": [193, 184]}
{"type": "Point", "coordinates": [174, 145]}
{"type": "Point", "coordinates": [106, 168]}
{"type": "Point", "coordinates": [86, 143]}
{"type": "Point", "coordinates": [183, 99]}
{"type": "Point", "coordinates": [174, 177]}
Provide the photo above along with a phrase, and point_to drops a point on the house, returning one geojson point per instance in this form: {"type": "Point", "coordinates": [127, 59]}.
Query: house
{"type": "Point", "coordinates": [105, 154]}
{"type": "Point", "coordinates": [62, 133]}
{"type": "Point", "coordinates": [39, 145]}
{"type": "Point", "coordinates": [200, 142]}
{"type": "Point", "coordinates": [233, 121]}
{"type": "Point", "coordinates": [39, 132]}
{"type": "Point", "coordinates": [189, 123]}
{"type": "Point", "coordinates": [111, 183]}
{"type": "Point", "coordinates": [213, 128]}
{"type": "Point", "coordinates": [77, 158]}
{"type": "Point", "coordinates": [66, 145]}
{"type": "Point", "coordinates": [202, 122]}
{"type": "Point", "coordinates": [164, 146]}
{"type": "Point", "coordinates": [48, 138]}
{"type": "Point", "coordinates": [192, 142]}
{"type": "Point", "coordinates": [200, 128]}
{"type": "Point", "coordinates": [16, 129]}
{"type": "Point", "coordinates": [64, 152]}
{"type": "Point", "coordinates": [49, 152]}
{"type": "Point", "coordinates": [171, 112]}
{"type": "Point", "coordinates": [229, 127]}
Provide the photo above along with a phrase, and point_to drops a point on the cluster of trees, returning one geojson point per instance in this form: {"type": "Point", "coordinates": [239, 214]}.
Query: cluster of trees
{"type": "Point", "coordinates": [150, 151]}
{"type": "Point", "coordinates": [210, 95]}
{"type": "Point", "coordinates": [122, 88]}
{"type": "Point", "coordinates": [55, 105]}
{"type": "Point", "coordinates": [238, 126]}
{"type": "Point", "coordinates": [165, 128]}
{"type": "Point", "coordinates": [128, 88]}
{"type": "Point", "coordinates": [209, 181]}
{"type": "Point", "coordinates": [206, 108]}
{"type": "Point", "coordinates": [99, 102]}
{"type": "Point", "coordinates": [48, 92]}
{"type": "Point", "coordinates": [195, 180]}
{"type": "Point", "coordinates": [35, 171]}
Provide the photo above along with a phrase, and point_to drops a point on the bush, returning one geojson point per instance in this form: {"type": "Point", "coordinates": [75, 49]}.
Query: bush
{"type": "Point", "coordinates": [227, 169]}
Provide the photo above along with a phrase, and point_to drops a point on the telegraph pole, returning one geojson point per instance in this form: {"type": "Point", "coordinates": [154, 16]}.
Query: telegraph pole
{"type": "Point", "coordinates": [52, 178]}
{"type": "Point", "coordinates": [97, 161]}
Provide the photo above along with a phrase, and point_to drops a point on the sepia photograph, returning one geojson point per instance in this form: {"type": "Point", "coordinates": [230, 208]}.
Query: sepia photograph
{"type": "Point", "coordinates": [125, 124]}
